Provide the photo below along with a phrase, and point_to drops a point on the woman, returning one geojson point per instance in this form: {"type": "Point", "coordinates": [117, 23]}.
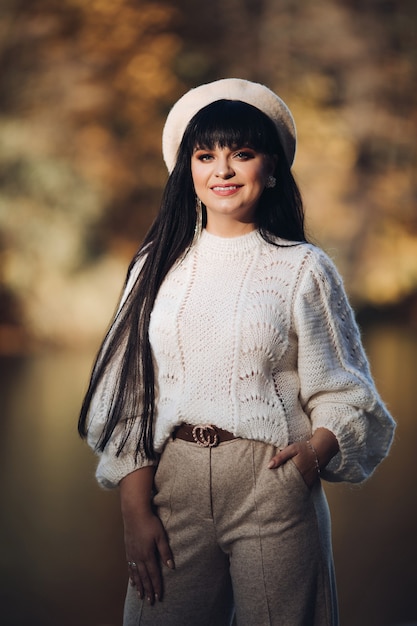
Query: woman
{"type": "Point", "coordinates": [231, 381]}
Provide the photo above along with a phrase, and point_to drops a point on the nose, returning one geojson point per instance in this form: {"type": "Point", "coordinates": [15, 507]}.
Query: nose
{"type": "Point", "coordinates": [224, 168]}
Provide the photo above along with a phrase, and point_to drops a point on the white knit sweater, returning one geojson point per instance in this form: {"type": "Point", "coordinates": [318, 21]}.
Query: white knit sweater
{"type": "Point", "coordinates": [258, 340]}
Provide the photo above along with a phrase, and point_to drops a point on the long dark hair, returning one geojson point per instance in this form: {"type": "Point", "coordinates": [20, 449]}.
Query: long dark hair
{"type": "Point", "coordinates": [125, 355]}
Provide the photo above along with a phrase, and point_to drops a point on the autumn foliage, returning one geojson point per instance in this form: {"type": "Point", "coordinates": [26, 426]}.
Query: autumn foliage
{"type": "Point", "coordinates": [84, 91]}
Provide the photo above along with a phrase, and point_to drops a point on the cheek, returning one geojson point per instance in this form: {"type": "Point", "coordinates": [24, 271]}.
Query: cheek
{"type": "Point", "coordinates": [259, 177]}
{"type": "Point", "coordinates": [197, 175]}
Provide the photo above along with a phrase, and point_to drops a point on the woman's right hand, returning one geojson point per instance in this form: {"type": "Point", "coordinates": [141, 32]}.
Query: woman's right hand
{"type": "Point", "coordinates": [146, 541]}
{"type": "Point", "coordinates": [147, 546]}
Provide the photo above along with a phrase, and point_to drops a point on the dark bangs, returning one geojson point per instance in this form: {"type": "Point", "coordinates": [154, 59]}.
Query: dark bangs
{"type": "Point", "coordinates": [233, 124]}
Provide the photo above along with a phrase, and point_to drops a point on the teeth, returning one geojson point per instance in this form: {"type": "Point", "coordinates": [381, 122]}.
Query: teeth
{"type": "Point", "coordinates": [225, 188]}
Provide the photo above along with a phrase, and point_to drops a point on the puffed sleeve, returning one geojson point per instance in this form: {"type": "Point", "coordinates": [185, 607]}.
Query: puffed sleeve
{"type": "Point", "coordinates": [113, 466]}
{"type": "Point", "coordinates": [336, 387]}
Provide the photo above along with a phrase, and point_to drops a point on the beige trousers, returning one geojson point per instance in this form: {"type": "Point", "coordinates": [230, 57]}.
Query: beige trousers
{"type": "Point", "coordinates": [245, 538]}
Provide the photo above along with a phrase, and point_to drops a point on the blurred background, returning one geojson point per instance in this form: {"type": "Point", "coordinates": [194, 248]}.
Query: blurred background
{"type": "Point", "coordinates": [84, 91]}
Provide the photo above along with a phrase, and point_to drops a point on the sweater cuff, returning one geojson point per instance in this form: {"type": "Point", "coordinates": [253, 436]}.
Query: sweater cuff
{"type": "Point", "coordinates": [354, 461]}
{"type": "Point", "coordinates": [111, 469]}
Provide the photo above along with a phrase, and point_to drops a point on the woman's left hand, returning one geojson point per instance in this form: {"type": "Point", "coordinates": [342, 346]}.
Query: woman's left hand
{"type": "Point", "coordinates": [303, 457]}
{"type": "Point", "coordinates": [309, 456]}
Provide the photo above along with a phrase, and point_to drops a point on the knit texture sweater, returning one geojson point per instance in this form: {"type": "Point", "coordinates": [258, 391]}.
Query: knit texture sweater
{"type": "Point", "coordinates": [260, 340]}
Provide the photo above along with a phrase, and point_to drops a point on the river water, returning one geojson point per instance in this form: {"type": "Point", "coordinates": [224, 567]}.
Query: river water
{"type": "Point", "coordinates": [62, 561]}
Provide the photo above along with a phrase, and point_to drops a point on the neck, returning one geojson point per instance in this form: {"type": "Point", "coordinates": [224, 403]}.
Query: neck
{"type": "Point", "coordinates": [229, 228]}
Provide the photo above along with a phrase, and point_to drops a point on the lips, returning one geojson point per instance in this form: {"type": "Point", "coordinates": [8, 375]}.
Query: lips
{"type": "Point", "coordinates": [225, 190]}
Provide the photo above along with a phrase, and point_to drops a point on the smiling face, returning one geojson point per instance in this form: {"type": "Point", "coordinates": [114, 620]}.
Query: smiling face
{"type": "Point", "coordinates": [229, 182]}
{"type": "Point", "coordinates": [231, 148]}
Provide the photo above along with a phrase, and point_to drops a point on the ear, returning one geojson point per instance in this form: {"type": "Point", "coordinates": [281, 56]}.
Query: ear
{"type": "Point", "coordinates": [271, 164]}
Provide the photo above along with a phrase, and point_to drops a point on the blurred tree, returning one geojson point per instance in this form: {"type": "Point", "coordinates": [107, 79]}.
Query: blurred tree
{"type": "Point", "coordinates": [349, 71]}
{"type": "Point", "coordinates": [84, 91]}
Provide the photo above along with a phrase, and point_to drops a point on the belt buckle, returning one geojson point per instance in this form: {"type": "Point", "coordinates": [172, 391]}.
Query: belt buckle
{"type": "Point", "coordinates": [205, 436]}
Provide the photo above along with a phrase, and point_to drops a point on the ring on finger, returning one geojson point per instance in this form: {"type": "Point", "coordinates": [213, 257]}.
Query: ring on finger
{"type": "Point", "coordinates": [132, 564]}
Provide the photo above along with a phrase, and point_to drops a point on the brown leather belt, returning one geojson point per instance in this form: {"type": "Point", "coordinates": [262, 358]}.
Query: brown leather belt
{"type": "Point", "coordinates": [204, 435]}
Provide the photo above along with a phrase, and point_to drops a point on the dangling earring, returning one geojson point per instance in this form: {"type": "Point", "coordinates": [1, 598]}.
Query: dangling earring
{"type": "Point", "coordinates": [271, 181]}
{"type": "Point", "coordinates": [198, 220]}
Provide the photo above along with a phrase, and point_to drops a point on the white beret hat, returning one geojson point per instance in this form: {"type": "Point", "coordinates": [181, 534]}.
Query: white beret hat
{"type": "Point", "coordinates": [229, 89]}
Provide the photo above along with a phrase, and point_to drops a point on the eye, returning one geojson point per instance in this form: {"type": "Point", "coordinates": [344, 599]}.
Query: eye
{"type": "Point", "coordinates": [203, 156]}
{"type": "Point", "coordinates": [244, 155]}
